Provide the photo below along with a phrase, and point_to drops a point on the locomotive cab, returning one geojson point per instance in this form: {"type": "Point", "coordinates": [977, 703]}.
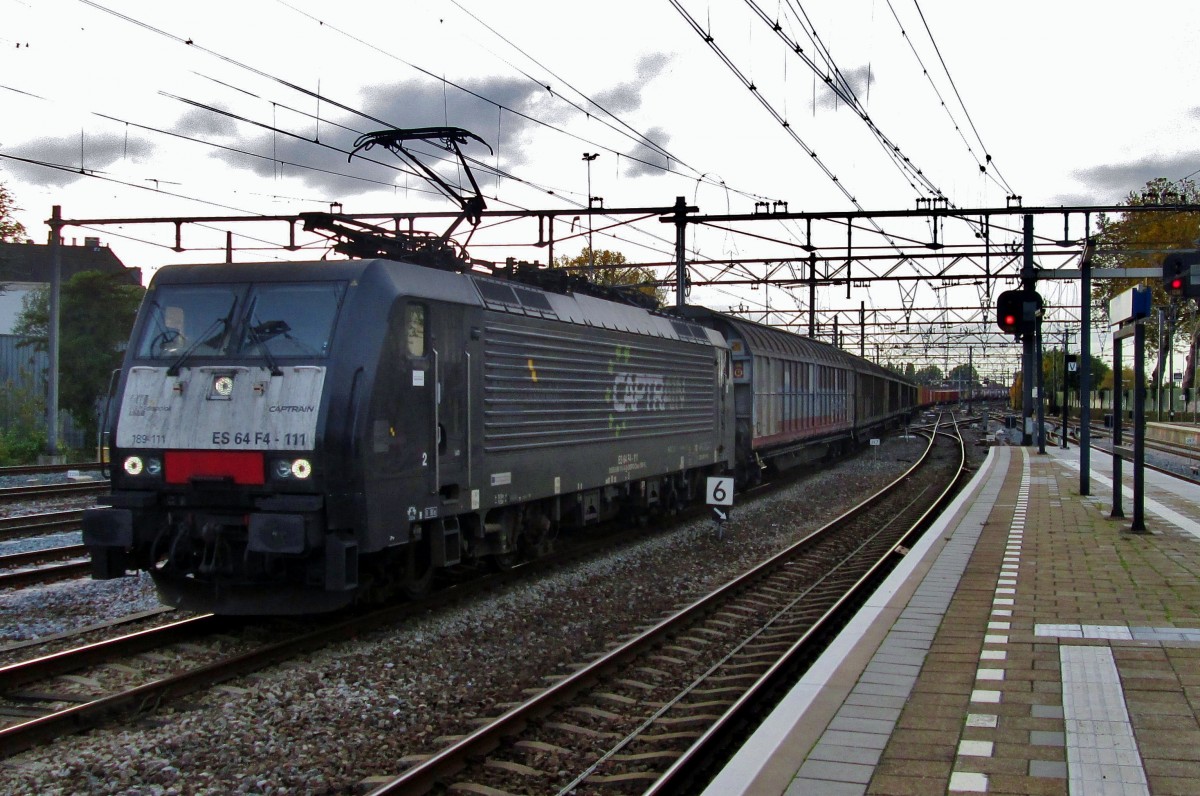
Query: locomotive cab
{"type": "Point", "coordinates": [218, 485]}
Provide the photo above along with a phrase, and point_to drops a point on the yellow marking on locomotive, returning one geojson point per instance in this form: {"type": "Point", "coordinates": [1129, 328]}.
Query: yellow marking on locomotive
{"type": "Point", "coordinates": [532, 372]}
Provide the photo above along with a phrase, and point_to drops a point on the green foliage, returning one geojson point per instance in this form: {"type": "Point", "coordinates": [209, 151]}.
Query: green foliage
{"type": "Point", "coordinates": [97, 311]}
{"type": "Point", "coordinates": [11, 230]}
{"type": "Point", "coordinates": [930, 375]}
{"type": "Point", "coordinates": [611, 269]}
{"type": "Point", "coordinates": [1052, 370]}
{"type": "Point", "coordinates": [1142, 240]}
{"type": "Point", "coordinates": [966, 374]}
{"type": "Point", "coordinates": [1127, 378]}
{"type": "Point", "coordinates": [24, 411]}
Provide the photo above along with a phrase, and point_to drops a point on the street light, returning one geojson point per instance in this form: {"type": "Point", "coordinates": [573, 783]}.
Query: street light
{"type": "Point", "coordinates": [589, 157]}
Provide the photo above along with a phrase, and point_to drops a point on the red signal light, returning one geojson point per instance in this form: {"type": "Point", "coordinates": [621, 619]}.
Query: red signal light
{"type": "Point", "coordinates": [1011, 309]}
{"type": "Point", "coordinates": [1176, 284]}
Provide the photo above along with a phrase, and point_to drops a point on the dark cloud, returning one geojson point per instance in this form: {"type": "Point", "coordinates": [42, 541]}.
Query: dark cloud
{"type": "Point", "coordinates": [646, 159]}
{"type": "Point", "coordinates": [1112, 182]}
{"type": "Point", "coordinates": [1074, 200]}
{"type": "Point", "coordinates": [93, 153]}
{"type": "Point", "coordinates": [202, 123]}
{"type": "Point", "coordinates": [858, 79]}
{"type": "Point", "coordinates": [627, 97]}
{"type": "Point", "coordinates": [404, 105]}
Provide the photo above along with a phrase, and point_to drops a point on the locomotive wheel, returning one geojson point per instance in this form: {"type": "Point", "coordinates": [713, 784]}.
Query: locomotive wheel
{"type": "Point", "coordinates": [509, 537]}
{"type": "Point", "coordinates": [501, 562]}
{"type": "Point", "coordinates": [417, 575]}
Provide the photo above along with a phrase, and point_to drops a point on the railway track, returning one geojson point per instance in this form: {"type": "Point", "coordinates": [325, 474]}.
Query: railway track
{"type": "Point", "coordinates": [654, 714]}
{"type": "Point", "coordinates": [42, 469]}
{"type": "Point", "coordinates": [98, 691]}
{"type": "Point", "coordinates": [43, 491]}
{"type": "Point", "coordinates": [18, 570]}
{"type": "Point", "coordinates": [109, 681]}
{"type": "Point", "coordinates": [27, 525]}
{"type": "Point", "coordinates": [1102, 442]}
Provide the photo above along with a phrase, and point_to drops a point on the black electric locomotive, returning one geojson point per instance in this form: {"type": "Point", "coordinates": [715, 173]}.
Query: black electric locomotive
{"type": "Point", "coordinates": [289, 437]}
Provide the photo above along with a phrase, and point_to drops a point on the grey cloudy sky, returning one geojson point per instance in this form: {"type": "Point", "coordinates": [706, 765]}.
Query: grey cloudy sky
{"type": "Point", "coordinates": [1047, 87]}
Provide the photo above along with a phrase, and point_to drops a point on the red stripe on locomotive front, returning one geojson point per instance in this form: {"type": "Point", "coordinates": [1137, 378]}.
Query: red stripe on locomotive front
{"type": "Point", "coordinates": [243, 467]}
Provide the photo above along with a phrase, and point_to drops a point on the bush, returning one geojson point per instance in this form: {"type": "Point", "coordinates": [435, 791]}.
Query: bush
{"type": "Point", "coordinates": [21, 445]}
{"type": "Point", "coordinates": [22, 424]}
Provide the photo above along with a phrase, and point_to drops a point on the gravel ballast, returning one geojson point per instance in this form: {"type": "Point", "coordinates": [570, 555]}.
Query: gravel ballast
{"type": "Point", "coordinates": [322, 722]}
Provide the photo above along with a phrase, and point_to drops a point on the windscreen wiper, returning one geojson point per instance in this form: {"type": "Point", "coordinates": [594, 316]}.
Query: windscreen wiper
{"type": "Point", "coordinates": [260, 334]}
{"type": "Point", "coordinates": [213, 332]}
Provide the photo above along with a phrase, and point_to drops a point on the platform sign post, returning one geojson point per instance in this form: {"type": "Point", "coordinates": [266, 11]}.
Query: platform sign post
{"type": "Point", "coordinates": [875, 447]}
{"type": "Point", "coordinates": [718, 494]}
{"type": "Point", "coordinates": [1129, 311]}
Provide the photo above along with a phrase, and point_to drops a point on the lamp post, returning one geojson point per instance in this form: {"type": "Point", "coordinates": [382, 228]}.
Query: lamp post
{"type": "Point", "coordinates": [589, 157]}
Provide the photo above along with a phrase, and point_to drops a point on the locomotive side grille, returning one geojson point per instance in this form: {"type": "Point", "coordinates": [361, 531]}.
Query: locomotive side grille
{"type": "Point", "coordinates": [601, 387]}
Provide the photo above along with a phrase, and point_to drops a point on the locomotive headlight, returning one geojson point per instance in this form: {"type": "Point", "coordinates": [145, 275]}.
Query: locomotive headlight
{"type": "Point", "coordinates": [223, 386]}
{"type": "Point", "coordinates": [137, 466]}
{"type": "Point", "coordinates": [299, 469]}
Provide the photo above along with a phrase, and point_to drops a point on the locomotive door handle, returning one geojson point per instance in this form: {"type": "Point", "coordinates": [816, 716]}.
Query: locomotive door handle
{"type": "Point", "coordinates": [104, 430]}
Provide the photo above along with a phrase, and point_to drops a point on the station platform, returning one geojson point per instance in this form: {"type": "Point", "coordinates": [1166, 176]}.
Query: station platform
{"type": "Point", "coordinates": [1029, 644]}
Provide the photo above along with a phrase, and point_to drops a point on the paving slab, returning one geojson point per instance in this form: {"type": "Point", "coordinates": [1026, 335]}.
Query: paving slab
{"type": "Point", "coordinates": [1039, 647]}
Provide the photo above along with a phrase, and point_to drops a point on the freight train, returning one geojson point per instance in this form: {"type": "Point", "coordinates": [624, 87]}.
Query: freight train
{"type": "Point", "coordinates": [292, 438]}
{"type": "Point", "coordinates": [934, 396]}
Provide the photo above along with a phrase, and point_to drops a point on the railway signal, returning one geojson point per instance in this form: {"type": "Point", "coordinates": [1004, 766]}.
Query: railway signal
{"type": "Point", "coordinates": [1181, 273]}
{"type": "Point", "coordinates": [1017, 311]}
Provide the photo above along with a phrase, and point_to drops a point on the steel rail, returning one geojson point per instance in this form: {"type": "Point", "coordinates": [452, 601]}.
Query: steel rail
{"type": "Point", "coordinates": [30, 557]}
{"type": "Point", "coordinates": [424, 776]}
{"type": "Point", "coordinates": [40, 491]}
{"type": "Point", "coordinates": [19, 579]}
{"type": "Point", "coordinates": [742, 709]}
{"type": "Point", "coordinates": [19, 737]}
{"type": "Point", "coordinates": [37, 469]}
{"type": "Point", "coordinates": [25, 525]}
{"type": "Point", "coordinates": [41, 668]}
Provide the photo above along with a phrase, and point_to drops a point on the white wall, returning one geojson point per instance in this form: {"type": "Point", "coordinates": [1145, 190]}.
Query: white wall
{"type": "Point", "coordinates": [10, 303]}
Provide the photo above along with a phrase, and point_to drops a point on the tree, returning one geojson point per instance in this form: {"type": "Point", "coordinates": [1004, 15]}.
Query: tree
{"type": "Point", "coordinates": [11, 230]}
{"type": "Point", "coordinates": [611, 269]}
{"type": "Point", "coordinates": [1141, 240]}
{"type": "Point", "coordinates": [97, 312]}
{"type": "Point", "coordinates": [1127, 379]}
{"type": "Point", "coordinates": [966, 374]}
{"type": "Point", "coordinates": [1052, 370]}
{"type": "Point", "coordinates": [930, 375]}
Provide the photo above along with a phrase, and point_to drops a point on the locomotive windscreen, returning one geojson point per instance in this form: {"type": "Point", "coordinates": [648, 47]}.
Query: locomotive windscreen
{"type": "Point", "coordinates": [277, 319]}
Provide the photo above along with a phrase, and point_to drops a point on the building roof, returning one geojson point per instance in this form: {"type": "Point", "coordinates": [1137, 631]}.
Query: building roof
{"type": "Point", "coordinates": [31, 262]}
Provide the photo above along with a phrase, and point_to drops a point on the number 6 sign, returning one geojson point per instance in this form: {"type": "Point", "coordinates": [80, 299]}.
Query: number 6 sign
{"type": "Point", "coordinates": [719, 491]}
